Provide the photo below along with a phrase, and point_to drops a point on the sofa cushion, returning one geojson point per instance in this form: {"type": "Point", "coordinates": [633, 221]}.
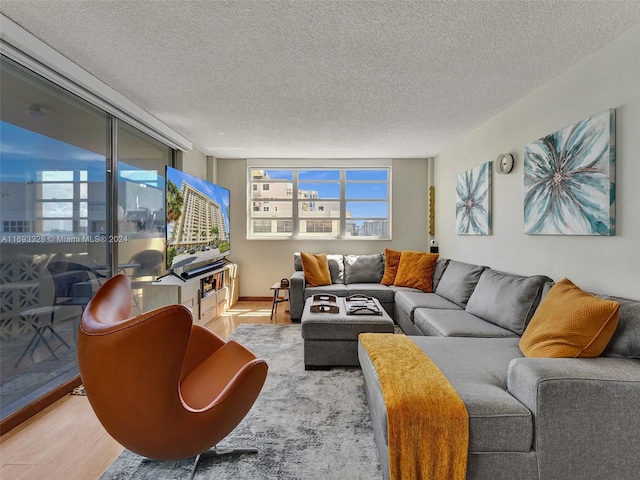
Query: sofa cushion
{"type": "Point", "coordinates": [441, 266]}
{"type": "Point", "coordinates": [625, 341]}
{"type": "Point", "coordinates": [477, 369]}
{"type": "Point", "coordinates": [383, 293]}
{"type": "Point", "coordinates": [338, 289]}
{"type": "Point", "coordinates": [545, 289]}
{"type": "Point", "coordinates": [391, 262]}
{"type": "Point", "coordinates": [507, 300]}
{"type": "Point", "coordinates": [336, 266]}
{"type": "Point", "coordinates": [570, 323]}
{"type": "Point", "coordinates": [363, 268]}
{"type": "Point", "coordinates": [409, 300]}
{"type": "Point", "coordinates": [316, 269]}
{"type": "Point", "coordinates": [458, 281]}
{"type": "Point", "coordinates": [416, 270]}
{"type": "Point", "coordinates": [456, 323]}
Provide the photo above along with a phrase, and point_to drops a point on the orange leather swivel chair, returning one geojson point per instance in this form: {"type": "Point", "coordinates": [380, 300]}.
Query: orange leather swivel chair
{"type": "Point", "coordinates": [161, 386]}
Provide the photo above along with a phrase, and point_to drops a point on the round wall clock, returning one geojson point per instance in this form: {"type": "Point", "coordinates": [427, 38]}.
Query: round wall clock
{"type": "Point", "coordinates": [504, 163]}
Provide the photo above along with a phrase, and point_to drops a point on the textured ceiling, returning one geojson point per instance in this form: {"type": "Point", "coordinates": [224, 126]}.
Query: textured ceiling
{"type": "Point", "coordinates": [260, 79]}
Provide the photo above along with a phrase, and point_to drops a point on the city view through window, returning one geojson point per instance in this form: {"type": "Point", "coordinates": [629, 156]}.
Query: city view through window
{"type": "Point", "coordinates": [320, 203]}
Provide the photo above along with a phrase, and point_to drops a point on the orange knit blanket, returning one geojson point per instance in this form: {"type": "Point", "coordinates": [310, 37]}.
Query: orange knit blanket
{"type": "Point", "coordinates": [427, 422]}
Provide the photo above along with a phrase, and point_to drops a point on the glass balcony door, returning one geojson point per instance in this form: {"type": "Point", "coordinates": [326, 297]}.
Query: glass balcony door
{"type": "Point", "coordinates": [54, 152]}
{"type": "Point", "coordinates": [82, 197]}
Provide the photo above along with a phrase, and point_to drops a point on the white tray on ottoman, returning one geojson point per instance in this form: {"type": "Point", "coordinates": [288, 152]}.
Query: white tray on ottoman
{"type": "Point", "coordinates": [331, 339]}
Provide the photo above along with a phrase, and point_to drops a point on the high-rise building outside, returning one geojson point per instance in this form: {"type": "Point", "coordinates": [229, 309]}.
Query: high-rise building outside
{"type": "Point", "coordinates": [201, 221]}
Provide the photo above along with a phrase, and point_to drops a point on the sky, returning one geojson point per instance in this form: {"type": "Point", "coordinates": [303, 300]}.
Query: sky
{"type": "Point", "coordinates": [327, 184]}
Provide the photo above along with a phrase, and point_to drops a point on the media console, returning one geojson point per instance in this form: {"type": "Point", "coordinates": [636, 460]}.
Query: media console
{"type": "Point", "coordinates": [207, 292]}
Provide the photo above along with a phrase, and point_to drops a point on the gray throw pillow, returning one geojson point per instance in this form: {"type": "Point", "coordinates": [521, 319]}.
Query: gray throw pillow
{"type": "Point", "coordinates": [625, 341]}
{"type": "Point", "coordinates": [506, 300]}
{"type": "Point", "coordinates": [441, 266]}
{"type": "Point", "coordinates": [363, 268]}
{"type": "Point", "coordinates": [458, 281]}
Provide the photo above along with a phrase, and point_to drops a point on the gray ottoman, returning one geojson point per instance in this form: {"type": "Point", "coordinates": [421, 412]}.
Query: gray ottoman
{"type": "Point", "coordinates": [331, 339]}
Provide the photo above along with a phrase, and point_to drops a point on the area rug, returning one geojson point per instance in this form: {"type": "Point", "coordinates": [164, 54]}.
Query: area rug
{"type": "Point", "coordinates": [306, 424]}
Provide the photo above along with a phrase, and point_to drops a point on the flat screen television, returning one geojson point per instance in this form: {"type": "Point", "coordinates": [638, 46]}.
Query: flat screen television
{"type": "Point", "coordinates": [197, 223]}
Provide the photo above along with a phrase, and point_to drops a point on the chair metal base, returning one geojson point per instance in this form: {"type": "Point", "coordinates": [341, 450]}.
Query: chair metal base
{"type": "Point", "coordinates": [212, 452]}
{"type": "Point", "coordinates": [219, 452]}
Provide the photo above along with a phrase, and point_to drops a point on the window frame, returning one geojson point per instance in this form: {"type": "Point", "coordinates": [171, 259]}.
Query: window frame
{"type": "Point", "coordinates": [291, 197]}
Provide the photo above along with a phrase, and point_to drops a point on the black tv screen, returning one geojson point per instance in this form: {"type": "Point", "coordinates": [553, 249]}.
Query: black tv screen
{"type": "Point", "coordinates": [197, 221]}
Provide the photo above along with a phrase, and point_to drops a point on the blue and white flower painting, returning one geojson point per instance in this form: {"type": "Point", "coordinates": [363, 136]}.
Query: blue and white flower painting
{"type": "Point", "coordinates": [569, 180]}
{"type": "Point", "coordinates": [473, 204]}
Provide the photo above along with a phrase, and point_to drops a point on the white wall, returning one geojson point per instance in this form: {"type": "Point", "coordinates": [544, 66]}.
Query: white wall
{"type": "Point", "coordinates": [610, 78]}
{"type": "Point", "coordinates": [263, 262]}
{"type": "Point", "coordinates": [194, 163]}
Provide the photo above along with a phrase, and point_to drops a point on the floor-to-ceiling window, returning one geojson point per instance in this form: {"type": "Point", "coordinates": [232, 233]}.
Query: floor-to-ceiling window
{"type": "Point", "coordinates": [54, 150]}
{"type": "Point", "coordinates": [81, 198]}
{"type": "Point", "coordinates": [139, 244]}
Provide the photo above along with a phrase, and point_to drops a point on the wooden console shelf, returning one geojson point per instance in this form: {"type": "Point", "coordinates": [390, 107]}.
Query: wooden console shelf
{"type": "Point", "coordinates": [208, 295]}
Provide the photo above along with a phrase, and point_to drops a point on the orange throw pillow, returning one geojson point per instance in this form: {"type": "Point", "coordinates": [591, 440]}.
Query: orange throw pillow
{"type": "Point", "coordinates": [416, 270]}
{"type": "Point", "coordinates": [570, 323]}
{"type": "Point", "coordinates": [316, 269]}
{"type": "Point", "coordinates": [391, 262]}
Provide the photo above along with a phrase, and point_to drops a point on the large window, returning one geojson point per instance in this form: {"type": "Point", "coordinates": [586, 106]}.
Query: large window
{"type": "Point", "coordinates": [304, 203]}
{"type": "Point", "coordinates": [54, 153]}
{"type": "Point", "coordinates": [61, 235]}
{"type": "Point", "coordinates": [140, 239]}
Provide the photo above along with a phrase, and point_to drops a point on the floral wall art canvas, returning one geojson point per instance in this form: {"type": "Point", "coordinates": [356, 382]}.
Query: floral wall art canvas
{"type": "Point", "coordinates": [473, 203]}
{"type": "Point", "coordinates": [569, 180]}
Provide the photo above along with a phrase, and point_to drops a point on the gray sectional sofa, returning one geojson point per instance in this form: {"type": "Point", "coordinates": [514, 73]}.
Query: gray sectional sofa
{"type": "Point", "coordinates": [529, 418]}
{"type": "Point", "coordinates": [350, 275]}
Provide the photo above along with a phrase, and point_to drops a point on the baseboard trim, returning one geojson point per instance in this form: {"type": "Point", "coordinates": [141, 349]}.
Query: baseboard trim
{"type": "Point", "coordinates": [255, 299]}
{"type": "Point", "coordinates": [24, 414]}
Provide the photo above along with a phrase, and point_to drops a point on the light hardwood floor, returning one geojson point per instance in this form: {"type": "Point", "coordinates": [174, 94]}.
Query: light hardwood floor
{"type": "Point", "coordinates": [66, 441]}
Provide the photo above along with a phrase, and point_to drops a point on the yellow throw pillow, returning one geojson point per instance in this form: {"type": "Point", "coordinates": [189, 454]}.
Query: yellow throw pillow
{"type": "Point", "coordinates": [570, 323]}
{"type": "Point", "coordinates": [416, 270]}
{"type": "Point", "coordinates": [391, 262]}
{"type": "Point", "coordinates": [316, 269]}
